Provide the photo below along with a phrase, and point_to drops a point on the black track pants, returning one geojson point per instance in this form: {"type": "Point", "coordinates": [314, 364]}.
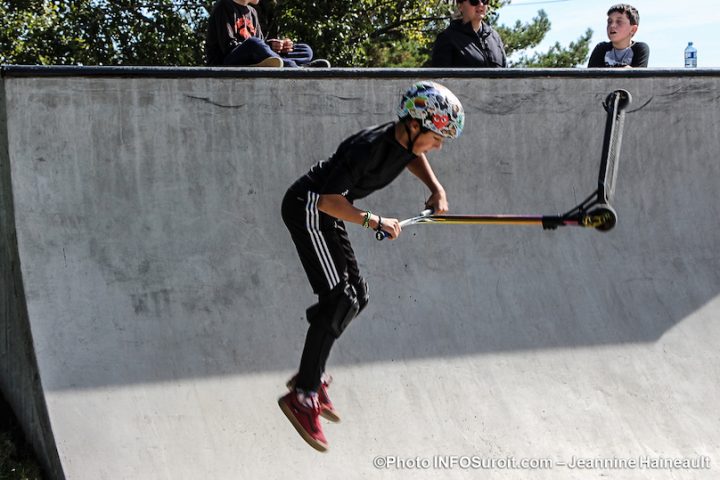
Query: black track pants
{"type": "Point", "coordinates": [328, 259]}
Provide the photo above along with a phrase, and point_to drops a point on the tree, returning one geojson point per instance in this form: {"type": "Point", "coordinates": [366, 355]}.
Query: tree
{"type": "Point", "coordinates": [25, 26]}
{"type": "Point", "coordinates": [523, 36]}
{"type": "Point", "coordinates": [102, 32]}
{"type": "Point", "coordinates": [354, 33]}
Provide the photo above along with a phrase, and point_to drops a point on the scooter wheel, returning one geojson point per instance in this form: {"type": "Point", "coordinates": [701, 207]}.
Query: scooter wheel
{"type": "Point", "coordinates": [603, 218]}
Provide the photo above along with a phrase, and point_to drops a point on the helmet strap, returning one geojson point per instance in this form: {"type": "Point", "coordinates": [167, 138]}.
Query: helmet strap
{"type": "Point", "coordinates": [410, 140]}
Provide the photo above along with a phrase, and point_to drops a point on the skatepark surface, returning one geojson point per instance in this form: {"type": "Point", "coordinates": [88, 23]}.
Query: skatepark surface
{"type": "Point", "coordinates": [152, 304]}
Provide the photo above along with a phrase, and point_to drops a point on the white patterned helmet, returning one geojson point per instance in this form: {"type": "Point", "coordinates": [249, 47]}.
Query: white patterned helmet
{"type": "Point", "coordinates": [435, 107]}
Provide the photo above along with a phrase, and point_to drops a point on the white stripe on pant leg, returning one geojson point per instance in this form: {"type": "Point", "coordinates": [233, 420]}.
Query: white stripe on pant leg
{"type": "Point", "coordinates": [322, 244]}
{"type": "Point", "coordinates": [309, 227]}
{"type": "Point", "coordinates": [318, 241]}
{"type": "Point", "coordinates": [321, 247]}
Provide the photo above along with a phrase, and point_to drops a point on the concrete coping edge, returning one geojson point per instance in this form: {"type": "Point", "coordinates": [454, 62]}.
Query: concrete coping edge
{"type": "Point", "coordinates": [330, 73]}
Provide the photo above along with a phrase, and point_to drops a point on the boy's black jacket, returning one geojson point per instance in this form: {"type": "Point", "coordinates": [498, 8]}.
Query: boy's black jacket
{"type": "Point", "coordinates": [460, 46]}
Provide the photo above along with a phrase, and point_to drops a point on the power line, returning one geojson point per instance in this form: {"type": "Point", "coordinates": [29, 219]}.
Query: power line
{"type": "Point", "coordinates": [535, 3]}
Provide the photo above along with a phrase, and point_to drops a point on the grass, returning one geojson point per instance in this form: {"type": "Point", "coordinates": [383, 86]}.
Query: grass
{"type": "Point", "coordinates": [17, 461]}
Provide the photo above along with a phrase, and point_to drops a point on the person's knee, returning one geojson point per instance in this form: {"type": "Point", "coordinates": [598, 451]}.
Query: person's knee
{"type": "Point", "coordinates": [303, 48]}
{"type": "Point", "coordinates": [337, 308]}
{"type": "Point", "coordinates": [363, 293]}
{"type": "Point", "coordinates": [248, 52]}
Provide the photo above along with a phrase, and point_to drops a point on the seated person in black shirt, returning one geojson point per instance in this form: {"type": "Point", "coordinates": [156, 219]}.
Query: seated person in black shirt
{"type": "Point", "coordinates": [621, 51]}
{"type": "Point", "coordinates": [469, 42]}
{"type": "Point", "coordinates": [234, 38]}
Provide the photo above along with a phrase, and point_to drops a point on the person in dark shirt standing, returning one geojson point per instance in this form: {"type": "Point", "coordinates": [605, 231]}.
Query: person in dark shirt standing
{"type": "Point", "coordinates": [315, 209]}
{"type": "Point", "coordinates": [469, 42]}
{"type": "Point", "coordinates": [234, 37]}
{"type": "Point", "coordinates": [621, 51]}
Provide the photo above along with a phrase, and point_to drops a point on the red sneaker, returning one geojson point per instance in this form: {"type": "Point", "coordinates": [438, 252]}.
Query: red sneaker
{"type": "Point", "coordinates": [327, 410]}
{"type": "Point", "coordinates": [306, 420]}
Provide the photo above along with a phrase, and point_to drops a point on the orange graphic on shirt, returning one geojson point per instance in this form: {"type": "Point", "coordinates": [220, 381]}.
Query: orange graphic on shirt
{"type": "Point", "coordinates": [244, 28]}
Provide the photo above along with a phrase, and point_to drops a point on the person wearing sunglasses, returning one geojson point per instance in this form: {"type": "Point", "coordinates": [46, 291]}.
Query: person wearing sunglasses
{"type": "Point", "coordinates": [469, 42]}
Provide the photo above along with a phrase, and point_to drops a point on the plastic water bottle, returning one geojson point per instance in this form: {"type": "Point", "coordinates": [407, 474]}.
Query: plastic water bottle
{"type": "Point", "coordinates": [690, 56]}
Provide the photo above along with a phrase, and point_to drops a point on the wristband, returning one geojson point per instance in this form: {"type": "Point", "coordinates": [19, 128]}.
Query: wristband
{"type": "Point", "coordinates": [366, 221]}
{"type": "Point", "coordinates": [379, 225]}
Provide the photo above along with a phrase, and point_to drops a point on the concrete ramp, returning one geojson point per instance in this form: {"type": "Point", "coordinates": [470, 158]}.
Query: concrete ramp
{"type": "Point", "coordinates": [153, 304]}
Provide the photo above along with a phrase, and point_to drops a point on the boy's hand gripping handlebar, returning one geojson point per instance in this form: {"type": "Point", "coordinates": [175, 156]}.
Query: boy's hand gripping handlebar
{"type": "Point", "coordinates": [381, 234]}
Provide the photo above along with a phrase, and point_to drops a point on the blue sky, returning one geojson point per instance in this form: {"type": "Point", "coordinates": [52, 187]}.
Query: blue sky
{"type": "Point", "coordinates": [666, 26]}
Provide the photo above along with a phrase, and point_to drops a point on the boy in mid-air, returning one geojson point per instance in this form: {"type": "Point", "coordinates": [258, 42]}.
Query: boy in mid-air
{"type": "Point", "coordinates": [315, 209]}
